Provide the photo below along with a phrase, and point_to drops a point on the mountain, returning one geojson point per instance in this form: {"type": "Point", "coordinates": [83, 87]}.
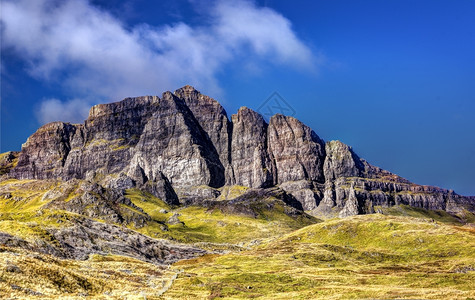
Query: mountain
{"type": "Point", "coordinates": [167, 197]}
{"type": "Point", "coordinates": [183, 148]}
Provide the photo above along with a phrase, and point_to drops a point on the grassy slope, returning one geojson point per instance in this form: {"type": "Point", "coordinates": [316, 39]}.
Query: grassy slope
{"type": "Point", "coordinates": [22, 213]}
{"type": "Point", "coordinates": [214, 226]}
{"type": "Point", "coordinates": [372, 256]}
{"type": "Point", "coordinates": [438, 215]}
{"type": "Point", "coordinates": [25, 274]}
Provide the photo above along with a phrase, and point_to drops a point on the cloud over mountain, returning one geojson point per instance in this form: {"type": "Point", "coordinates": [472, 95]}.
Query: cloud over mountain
{"type": "Point", "coordinates": [97, 56]}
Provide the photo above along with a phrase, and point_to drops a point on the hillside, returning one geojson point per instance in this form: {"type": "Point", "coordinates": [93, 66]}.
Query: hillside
{"type": "Point", "coordinates": [167, 198]}
{"type": "Point", "coordinates": [361, 257]}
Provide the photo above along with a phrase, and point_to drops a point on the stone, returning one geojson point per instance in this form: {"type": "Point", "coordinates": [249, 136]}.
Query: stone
{"type": "Point", "coordinates": [250, 161]}
{"type": "Point", "coordinates": [44, 154]}
{"type": "Point", "coordinates": [212, 119]}
{"type": "Point", "coordinates": [173, 144]}
{"type": "Point", "coordinates": [296, 150]}
{"type": "Point", "coordinates": [84, 237]}
{"type": "Point", "coordinates": [303, 191]}
{"type": "Point", "coordinates": [351, 205]}
{"type": "Point", "coordinates": [8, 160]}
{"type": "Point", "coordinates": [94, 201]}
{"type": "Point", "coordinates": [162, 189]}
{"type": "Point", "coordinates": [173, 220]}
{"type": "Point", "coordinates": [121, 182]}
{"type": "Point", "coordinates": [341, 161]}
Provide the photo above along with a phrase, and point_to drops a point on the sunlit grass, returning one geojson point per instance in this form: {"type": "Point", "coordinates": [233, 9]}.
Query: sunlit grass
{"type": "Point", "coordinates": [212, 225]}
{"type": "Point", "coordinates": [25, 274]}
{"type": "Point", "coordinates": [414, 253]}
{"type": "Point", "coordinates": [370, 256]}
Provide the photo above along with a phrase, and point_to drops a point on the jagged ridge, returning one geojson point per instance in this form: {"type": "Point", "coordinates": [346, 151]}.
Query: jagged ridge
{"type": "Point", "coordinates": [183, 146]}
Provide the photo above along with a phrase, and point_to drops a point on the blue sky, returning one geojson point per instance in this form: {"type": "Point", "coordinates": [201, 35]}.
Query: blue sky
{"type": "Point", "coordinates": [393, 79]}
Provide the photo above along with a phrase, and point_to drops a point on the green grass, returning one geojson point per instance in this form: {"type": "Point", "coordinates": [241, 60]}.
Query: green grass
{"type": "Point", "coordinates": [436, 215]}
{"type": "Point", "coordinates": [25, 274]}
{"type": "Point", "coordinates": [23, 212]}
{"type": "Point", "coordinates": [232, 192]}
{"type": "Point", "coordinates": [149, 203]}
{"type": "Point", "coordinates": [362, 257]}
{"type": "Point", "coordinates": [212, 225]}
{"type": "Point", "coordinates": [404, 253]}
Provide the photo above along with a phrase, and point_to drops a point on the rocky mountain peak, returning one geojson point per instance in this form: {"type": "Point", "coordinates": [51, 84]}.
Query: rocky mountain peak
{"type": "Point", "coordinates": [250, 161]}
{"type": "Point", "coordinates": [183, 146]}
{"type": "Point", "coordinates": [194, 98]}
{"type": "Point", "coordinates": [187, 91]}
{"type": "Point", "coordinates": [341, 161]}
{"type": "Point", "coordinates": [122, 106]}
{"type": "Point", "coordinates": [297, 150]}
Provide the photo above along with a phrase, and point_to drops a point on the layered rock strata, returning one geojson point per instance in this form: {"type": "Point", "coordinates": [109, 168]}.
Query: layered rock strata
{"type": "Point", "coordinates": [182, 147]}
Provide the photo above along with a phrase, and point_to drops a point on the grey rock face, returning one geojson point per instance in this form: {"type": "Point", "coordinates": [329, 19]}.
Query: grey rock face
{"type": "Point", "coordinates": [95, 201]}
{"type": "Point", "coordinates": [304, 192]}
{"type": "Point", "coordinates": [162, 189]}
{"type": "Point", "coordinates": [106, 139]}
{"type": "Point", "coordinates": [350, 207]}
{"type": "Point", "coordinates": [104, 238]}
{"type": "Point", "coordinates": [84, 237]}
{"type": "Point", "coordinates": [7, 162]}
{"type": "Point", "coordinates": [341, 161]}
{"type": "Point", "coordinates": [121, 182]}
{"type": "Point", "coordinates": [44, 154]}
{"type": "Point", "coordinates": [173, 143]}
{"type": "Point", "coordinates": [197, 194]}
{"type": "Point", "coordinates": [212, 118]}
{"type": "Point", "coordinates": [251, 165]}
{"type": "Point", "coordinates": [173, 220]}
{"type": "Point", "coordinates": [296, 150]}
{"type": "Point", "coordinates": [253, 202]}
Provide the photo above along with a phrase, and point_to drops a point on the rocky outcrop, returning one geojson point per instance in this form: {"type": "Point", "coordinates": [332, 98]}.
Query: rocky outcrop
{"type": "Point", "coordinates": [83, 237]}
{"type": "Point", "coordinates": [173, 144]}
{"type": "Point", "coordinates": [250, 161]}
{"type": "Point", "coordinates": [162, 189]}
{"type": "Point", "coordinates": [212, 119]}
{"type": "Point", "coordinates": [8, 161]}
{"type": "Point", "coordinates": [304, 192]}
{"type": "Point", "coordinates": [95, 201]}
{"type": "Point", "coordinates": [354, 186]}
{"type": "Point", "coordinates": [351, 205]}
{"type": "Point", "coordinates": [298, 155]}
{"type": "Point", "coordinates": [44, 154]}
{"type": "Point", "coordinates": [341, 161]}
{"type": "Point", "coordinates": [257, 203]}
{"type": "Point", "coordinates": [297, 151]}
{"type": "Point", "coordinates": [107, 137]}
{"type": "Point", "coordinates": [182, 148]}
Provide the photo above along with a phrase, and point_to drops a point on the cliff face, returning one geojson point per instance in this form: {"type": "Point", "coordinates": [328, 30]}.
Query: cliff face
{"type": "Point", "coordinates": [183, 145]}
{"type": "Point", "coordinates": [250, 161]}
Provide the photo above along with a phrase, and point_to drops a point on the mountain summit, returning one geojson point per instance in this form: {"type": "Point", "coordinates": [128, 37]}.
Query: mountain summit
{"type": "Point", "coordinates": [182, 148]}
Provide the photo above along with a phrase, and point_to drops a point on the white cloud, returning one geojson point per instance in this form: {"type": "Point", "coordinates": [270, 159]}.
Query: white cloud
{"type": "Point", "coordinates": [94, 55]}
{"type": "Point", "coordinates": [266, 31]}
